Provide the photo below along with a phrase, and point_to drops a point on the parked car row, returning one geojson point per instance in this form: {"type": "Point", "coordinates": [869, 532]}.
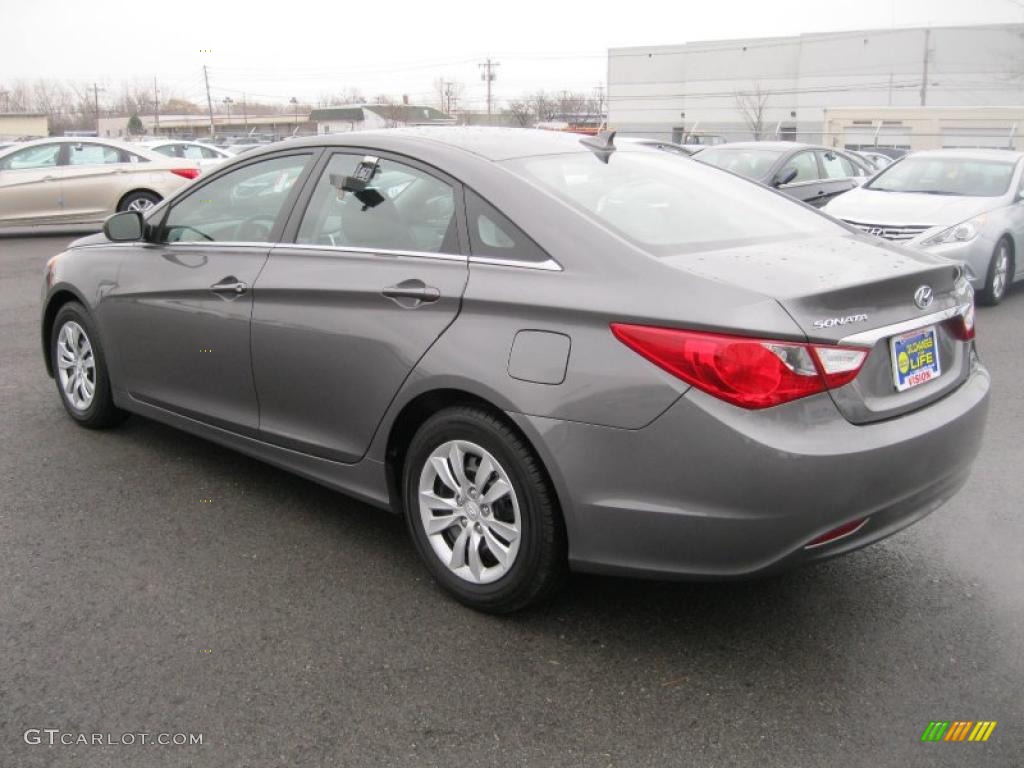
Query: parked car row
{"type": "Point", "coordinates": [964, 205]}
{"type": "Point", "coordinates": [545, 352]}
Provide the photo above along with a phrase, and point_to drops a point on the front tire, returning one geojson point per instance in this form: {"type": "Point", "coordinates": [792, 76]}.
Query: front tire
{"type": "Point", "coordinates": [80, 369]}
{"type": "Point", "coordinates": [999, 275]}
{"type": "Point", "coordinates": [481, 511]}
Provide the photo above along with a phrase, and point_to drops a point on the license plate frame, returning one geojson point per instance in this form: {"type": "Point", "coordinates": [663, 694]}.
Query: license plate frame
{"type": "Point", "coordinates": [920, 363]}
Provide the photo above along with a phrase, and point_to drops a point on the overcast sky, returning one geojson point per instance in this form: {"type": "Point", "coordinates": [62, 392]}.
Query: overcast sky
{"type": "Point", "coordinates": [397, 46]}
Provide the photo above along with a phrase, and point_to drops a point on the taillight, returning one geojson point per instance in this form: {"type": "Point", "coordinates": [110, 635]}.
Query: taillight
{"type": "Point", "coordinates": [188, 173]}
{"type": "Point", "coordinates": [962, 325]}
{"type": "Point", "coordinates": [748, 372]}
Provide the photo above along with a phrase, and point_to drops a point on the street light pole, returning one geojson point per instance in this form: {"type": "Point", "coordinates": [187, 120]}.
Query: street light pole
{"type": "Point", "coordinates": [295, 108]}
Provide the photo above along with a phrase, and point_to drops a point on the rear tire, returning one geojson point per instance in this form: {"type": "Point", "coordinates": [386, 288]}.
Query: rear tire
{"type": "Point", "coordinates": [80, 369]}
{"type": "Point", "coordinates": [140, 201]}
{"type": "Point", "coordinates": [1000, 274]}
{"type": "Point", "coordinates": [475, 482]}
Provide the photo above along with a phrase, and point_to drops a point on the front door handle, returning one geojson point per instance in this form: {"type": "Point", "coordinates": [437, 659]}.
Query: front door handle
{"type": "Point", "coordinates": [412, 293]}
{"type": "Point", "coordinates": [230, 285]}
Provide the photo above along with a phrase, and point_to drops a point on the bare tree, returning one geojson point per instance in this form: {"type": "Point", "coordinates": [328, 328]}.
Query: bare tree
{"type": "Point", "coordinates": [350, 95]}
{"type": "Point", "coordinates": [544, 105]}
{"type": "Point", "coordinates": [520, 111]}
{"type": "Point", "coordinates": [751, 105]}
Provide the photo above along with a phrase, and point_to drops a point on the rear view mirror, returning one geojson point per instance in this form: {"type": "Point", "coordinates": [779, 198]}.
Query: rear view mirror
{"type": "Point", "coordinates": [124, 227]}
{"type": "Point", "coordinates": [784, 176]}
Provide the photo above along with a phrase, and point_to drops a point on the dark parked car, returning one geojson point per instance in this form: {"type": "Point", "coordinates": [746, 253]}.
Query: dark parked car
{"type": "Point", "coordinates": [809, 173]}
{"type": "Point", "coordinates": [545, 352]}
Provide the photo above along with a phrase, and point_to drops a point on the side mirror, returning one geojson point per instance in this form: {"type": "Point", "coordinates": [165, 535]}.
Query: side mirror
{"type": "Point", "coordinates": [124, 227]}
{"type": "Point", "coordinates": [784, 176]}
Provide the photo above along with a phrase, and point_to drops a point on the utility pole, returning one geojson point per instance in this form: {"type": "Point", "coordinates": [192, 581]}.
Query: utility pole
{"type": "Point", "coordinates": [156, 109]}
{"type": "Point", "coordinates": [5, 100]}
{"type": "Point", "coordinates": [924, 73]}
{"type": "Point", "coordinates": [245, 116]}
{"type": "Point", "coordinates": [209, 102]}
{"type": "Point", "coordinates": [489, 75]}
{"type": "Point", "coordinates": [96, 101]}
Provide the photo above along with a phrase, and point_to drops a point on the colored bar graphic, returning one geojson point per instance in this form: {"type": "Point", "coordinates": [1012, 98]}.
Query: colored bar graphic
{"type": "Point", "coordinates": [958, 730]}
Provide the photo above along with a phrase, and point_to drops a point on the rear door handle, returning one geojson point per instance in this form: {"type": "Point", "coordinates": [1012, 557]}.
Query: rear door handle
{"type": "Point", "coordinates": [230, 285]}
{"type": "Point", "coordinates": [412, 293]}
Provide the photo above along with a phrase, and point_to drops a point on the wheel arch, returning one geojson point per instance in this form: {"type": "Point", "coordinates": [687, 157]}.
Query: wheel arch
{"type": "Point", "coordinates": [57, 299]}
{"type": "Point", "coordinates": [421, 407]}
{"type": "Point", "coordinates": [131, 192]}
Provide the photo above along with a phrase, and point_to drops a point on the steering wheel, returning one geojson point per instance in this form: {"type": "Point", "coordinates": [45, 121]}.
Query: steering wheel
{"type": "Point", "coordinates": [255, 229]}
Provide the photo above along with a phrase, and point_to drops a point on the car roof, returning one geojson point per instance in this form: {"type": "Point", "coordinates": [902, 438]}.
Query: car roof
{"type": "Point", "coordinates": [1007, 155]}
{"type": "Point", "coordinates": [489, 143]}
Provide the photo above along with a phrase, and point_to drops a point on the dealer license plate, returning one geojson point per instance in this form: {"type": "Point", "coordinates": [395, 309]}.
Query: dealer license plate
{"type": "Point", "coordinates": [915, 358]}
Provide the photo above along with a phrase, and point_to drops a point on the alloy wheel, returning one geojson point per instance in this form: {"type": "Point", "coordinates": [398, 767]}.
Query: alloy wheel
{"type": "Point", "coordinates": [140, 204]}
{"type": "Point", "coordinates": [1000, 271]}
{"type": "Point", "coordinates": [76, 366]}
{"type": "Point", "coordinates": [470, 512]}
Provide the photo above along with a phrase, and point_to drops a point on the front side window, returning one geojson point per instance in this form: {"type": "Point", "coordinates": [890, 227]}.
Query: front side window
{"type": "Point", "coordinates": [667, 207]}
{"type": "Point", "coordinates": [946, 176]}
{"type": "Point", "coordinates": [804, 164]}
{"type": "Point", "coordinates": [401, 209]}
{"type": "Point", "coordinates": [240, 206]}
{"type": "Point", "coordinates": [33, 157]}
{"type": "Point", "coordinates": [168, 150]}
{"type": "Point", "coordinates": [836, 166]}
{"type": "Point", "coordinates": [192, 152]}
{"type": "Point", "coordinates": [94, 154]}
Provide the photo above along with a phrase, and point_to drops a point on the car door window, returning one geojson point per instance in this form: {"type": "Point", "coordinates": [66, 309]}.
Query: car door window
{"type": "Point", "coordinates": [806, 167]}
{"type": "Point", "coordinates": [169, 150]}
{"type": "Point", "coordinates": [491, 234]}
{"type": "Point", "coordinates": [401, 209]}
{"type": "Point", "coordinates": [836, 166]}
{"type": "Point", "coordinates": [240, 206]}
{"type": "Point", "coordinates": [192, 152]}
{"type": "Point", "coordinates": [208, 154]}
{"type": "Point", "coordinates": [94, 154]}
{"type": "Point", "coordinates": [33, 157]}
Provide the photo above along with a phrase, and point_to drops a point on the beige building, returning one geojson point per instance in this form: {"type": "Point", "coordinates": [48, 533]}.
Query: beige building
{"type": "Point", "coordinates": [17, 125]}
{"type": "Point", "coordinates": [199, 125]}
{"type": "Point", "coordinates": [925, 127]}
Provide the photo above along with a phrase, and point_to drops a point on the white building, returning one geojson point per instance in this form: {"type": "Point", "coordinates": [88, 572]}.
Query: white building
{"type": "Point", "coordinates": [359, 117]}
{"type": "Point", "coordinates": [718, 88]}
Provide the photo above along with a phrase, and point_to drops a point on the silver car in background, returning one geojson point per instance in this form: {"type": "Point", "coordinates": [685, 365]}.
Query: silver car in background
{"type": "Point", "coordinates": [544, 352]}
{"type": "Point", "coordinates": [964, 204]}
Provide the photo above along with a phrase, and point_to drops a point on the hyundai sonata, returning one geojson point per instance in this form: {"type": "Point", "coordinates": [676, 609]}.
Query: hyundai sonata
{"type": "Point", "coordinates": [966, 205]}
{"type": "Point", "coordinates": [545, 352]}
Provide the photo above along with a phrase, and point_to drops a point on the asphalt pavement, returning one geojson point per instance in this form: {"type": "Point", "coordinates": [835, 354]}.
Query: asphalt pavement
{"type": "Point", "coordinates": [152, 582]}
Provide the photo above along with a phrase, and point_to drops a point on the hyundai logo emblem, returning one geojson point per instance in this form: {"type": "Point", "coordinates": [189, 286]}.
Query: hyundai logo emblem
{"type": "Point", "coordinates": [876, 231]}
{"type": "Point", "coordinates": [923, 297]}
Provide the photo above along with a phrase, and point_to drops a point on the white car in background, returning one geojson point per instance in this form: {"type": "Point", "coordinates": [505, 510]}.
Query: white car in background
{"type": "Point", "coordinates": [84, 180]}
{"type": "Point", "coordinates": [205, 155]}
{"type": "Point", "coordinates": [964, 204]}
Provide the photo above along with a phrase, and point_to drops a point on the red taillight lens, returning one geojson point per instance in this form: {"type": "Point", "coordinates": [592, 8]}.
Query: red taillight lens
{"type": "Point", "coordinates": [837, 533]}
{"type": "Point", "coordinates": [748, 372]}
{"type": "Point", "coordinates": [962, 326]}
{"type": "Point", "coordinates": [188, 173]}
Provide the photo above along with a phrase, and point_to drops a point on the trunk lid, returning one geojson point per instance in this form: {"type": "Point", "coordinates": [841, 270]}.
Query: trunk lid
{"type": "Point", "coordinates": [856, 291]}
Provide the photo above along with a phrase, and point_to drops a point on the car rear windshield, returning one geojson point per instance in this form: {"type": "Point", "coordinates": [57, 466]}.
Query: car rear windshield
{"type": "Point", "coordinates": [752, 163]}
{"type": "Point", "coordinates": [666, 206]}
{"type": "Point", "coordinates": [946, 176]}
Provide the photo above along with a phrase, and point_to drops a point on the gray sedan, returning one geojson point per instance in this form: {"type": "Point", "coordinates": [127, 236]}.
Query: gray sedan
{"type": "Point", "coordinates": [544, 352]}
{"type": "Point", "coordinates": [964, 204]}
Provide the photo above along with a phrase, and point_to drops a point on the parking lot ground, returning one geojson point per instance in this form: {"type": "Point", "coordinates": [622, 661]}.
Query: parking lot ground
{"type": "Point", "coordinates": [154, 582]}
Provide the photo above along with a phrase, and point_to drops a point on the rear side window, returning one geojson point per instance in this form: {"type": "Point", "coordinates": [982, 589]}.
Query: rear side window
{"type": "Point", "coordinates": [94, 154]}
{"type": "Point", "coordinates": [491, 234]}
{"type": "Point", "coordinates": [401, 209]}
{"type": "Point", "coordinates": [170, 150]}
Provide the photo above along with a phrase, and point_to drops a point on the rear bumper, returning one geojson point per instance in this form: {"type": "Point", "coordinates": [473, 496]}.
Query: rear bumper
{"type": "Point", "coordinates": [709, 490]}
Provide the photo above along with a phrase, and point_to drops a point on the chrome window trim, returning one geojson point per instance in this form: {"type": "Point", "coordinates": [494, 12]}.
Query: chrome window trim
{"type": "Point", "coordinates": [374, 251]}
{"type": "Point", "coordinates": [549, 265]}
{"type": "Point", "coordinates": [872, 337]}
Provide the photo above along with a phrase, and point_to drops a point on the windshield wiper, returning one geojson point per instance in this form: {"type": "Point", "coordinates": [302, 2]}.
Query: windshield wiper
{"type": "Point", "coordinates": [934, 192]}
